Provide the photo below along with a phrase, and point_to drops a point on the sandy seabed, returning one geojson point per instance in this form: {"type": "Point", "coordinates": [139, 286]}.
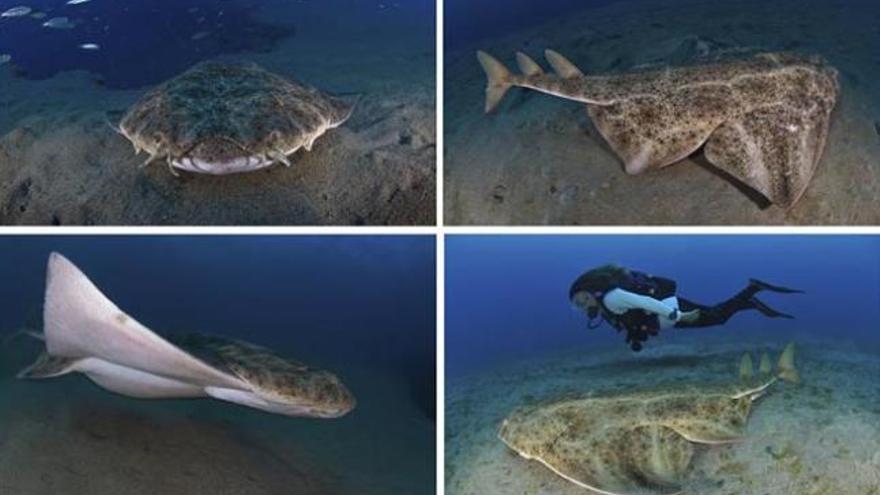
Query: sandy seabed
{"type": "Point", "coordinates": [539, 160]}
{"type": "Point", "coordinates": [62, 164]}
{"type": "Point", "coordinates": [821, 437]}
{"type": "Point", "coordinates": [67, 436]}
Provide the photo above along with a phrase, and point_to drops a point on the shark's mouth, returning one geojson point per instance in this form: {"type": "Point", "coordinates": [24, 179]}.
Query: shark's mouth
{"type": "Point", "coordinates": [238, 164]}
{"type": "Point", "coordinates": [235, 165]}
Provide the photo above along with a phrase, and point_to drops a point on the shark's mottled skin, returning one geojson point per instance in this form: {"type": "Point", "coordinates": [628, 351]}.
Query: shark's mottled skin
{"type": "Point", "coordinates": [626, 442]}
{"type": "Point", "coordinates": [86, 333]}
{"type": "Point", "coordinates": [278, 378]}
{"type": "Point", "coordinates": [221, 118]}
{"type": "Point", "coordinates": [763, 119]}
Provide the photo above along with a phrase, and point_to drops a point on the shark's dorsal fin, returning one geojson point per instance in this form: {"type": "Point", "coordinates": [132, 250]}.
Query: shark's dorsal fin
{"type": "Point", "coordinates": [786, 368]}
{"type": "Point", "coordinates": [562, 65]}
{"type": "Point", "coordinates": [528, 66]}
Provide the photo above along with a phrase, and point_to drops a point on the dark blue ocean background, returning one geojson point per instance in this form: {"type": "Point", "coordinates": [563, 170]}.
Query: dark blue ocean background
{"type": "Point", "coordinates": [362, 307]}
{"type": "Point", "coordinates": [144, 42]}
{"type": "Point", "coordinates": [507, 296]}
{"type": "Point", "coordinates": [468, 21]}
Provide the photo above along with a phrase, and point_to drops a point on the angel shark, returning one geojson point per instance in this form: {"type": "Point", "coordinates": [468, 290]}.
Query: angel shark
{"type": "Point", "coordinates": [625, 443]}
{"type": "Point", "coordinates": [85, 332]}
{"type": "Point", "coordinates": [763, 119]}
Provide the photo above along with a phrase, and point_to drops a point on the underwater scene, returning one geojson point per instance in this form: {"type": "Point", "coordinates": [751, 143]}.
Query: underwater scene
{"type": "Point", "coordinates": [662, 112]}
{"type": "Point", "coordinates": [217, 365]}
{"type": "Point", "coordinates": [654, 365]}
{"type": "Point", "coordinates": [218, 112]}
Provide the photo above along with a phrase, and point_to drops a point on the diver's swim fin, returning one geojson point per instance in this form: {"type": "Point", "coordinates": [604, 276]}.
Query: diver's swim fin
{"type": "Point", "coordinates": [773, 288]}
{"type": "Point", "coordinates": [767, 310]}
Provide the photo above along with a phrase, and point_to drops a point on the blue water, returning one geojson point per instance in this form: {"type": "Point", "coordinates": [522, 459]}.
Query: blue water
{"type": "Point", "coordinates": [467, 21]}
{"type": "Point", "coordinates": [374, 293]}
{"type": "Point", "coordinates": [507, 296]}
{"type": "Point", "coordinates": [144, 42]}
{"type": "Point", "coordinates": [362, 307]}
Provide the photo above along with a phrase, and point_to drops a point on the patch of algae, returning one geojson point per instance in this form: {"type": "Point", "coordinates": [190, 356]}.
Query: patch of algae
{"type": "Point", "coordinates": [788, 459]}
{"type": "Point", "coordinates": [782, 455]}
{"type": "Point", "coordinates": [821, 487]}
{"type": "Point", "coordinates": [733, 468]}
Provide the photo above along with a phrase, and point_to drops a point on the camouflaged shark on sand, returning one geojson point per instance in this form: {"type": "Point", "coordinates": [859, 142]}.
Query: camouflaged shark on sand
{"type": "Point", "coordinates": [762, 119]}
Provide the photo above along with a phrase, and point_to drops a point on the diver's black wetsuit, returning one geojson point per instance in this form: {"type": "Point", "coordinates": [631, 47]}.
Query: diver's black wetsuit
{"type": "Point", "coordinates": [641, 325]}
{"type": "Point", "coordinates": [720, 313]}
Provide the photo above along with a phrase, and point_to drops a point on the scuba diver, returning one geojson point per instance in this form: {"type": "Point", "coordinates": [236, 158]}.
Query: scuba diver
{"type": "Point", "coordinates": [643, 304]}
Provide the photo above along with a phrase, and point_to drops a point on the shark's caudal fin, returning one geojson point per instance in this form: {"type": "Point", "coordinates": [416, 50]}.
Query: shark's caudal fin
{"type": "Point", "coordinates": [786, 369]}
{"type": "Point", "coordinates": [499, 79]}
{"type": "Point", "coordinates": [562, 66]}
{"type": "Point", "coordinates": [48, 366]}
{"type": "Point", "coordinates": [765, 367]}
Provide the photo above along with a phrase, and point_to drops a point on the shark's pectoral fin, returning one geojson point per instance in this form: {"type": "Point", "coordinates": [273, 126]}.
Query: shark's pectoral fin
{"type": "Point", "coordinates": [81, 322]}
{"type": "Point", "coordinates": [241, 397]}
{"type": "Point", "coordinates": [136, 383]}
{"type": "Point", "coordinates": [659, 454]}
{"type": "Point", "coordinates": [773, 150]}
{"type": "Point", "coordinates": [725, 425]}
{"type": "Point", "coordinates": [619, 460]}
{"type": "Point", "coordinates": [636, 131]}
{"type": "Point", "coordinates": [48, 366]}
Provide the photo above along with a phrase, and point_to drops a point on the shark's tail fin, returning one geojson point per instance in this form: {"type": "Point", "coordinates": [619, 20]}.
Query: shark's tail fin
{"type": "Point", "coordinates": [786, 369]}
{"type": "Point", "coordinates": [47, 366]}
{"type": "Point", "coordinates": [499, 79]}
{"type": "Point", "coordinates": [765, 367]}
